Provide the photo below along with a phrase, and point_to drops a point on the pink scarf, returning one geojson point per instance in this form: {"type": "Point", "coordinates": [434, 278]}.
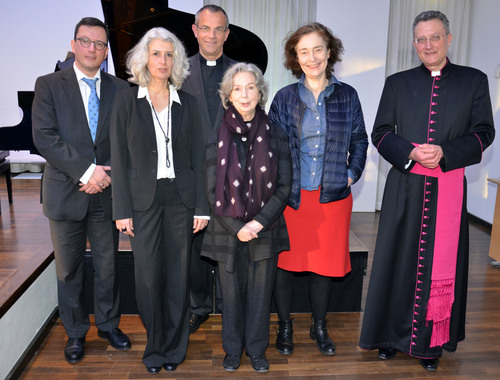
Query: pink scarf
{"type": "Point", "coordinates": [449, 212]}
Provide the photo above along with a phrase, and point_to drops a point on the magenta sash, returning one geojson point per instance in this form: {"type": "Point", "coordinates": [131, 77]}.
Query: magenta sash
{"type": "Point", "coordinates": [448, 218]}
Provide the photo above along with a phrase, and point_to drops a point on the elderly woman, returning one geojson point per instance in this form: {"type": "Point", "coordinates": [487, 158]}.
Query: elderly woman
{"type": "Point", "coordinates": [324, 123]}
{"type": "Point", "coordinates": [248, 174]}
{"type": "Point", "coordinates": [158, 196]}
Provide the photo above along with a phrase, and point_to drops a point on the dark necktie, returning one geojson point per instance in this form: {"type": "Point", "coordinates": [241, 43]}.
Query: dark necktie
{"type": "Point", "coordinates": [93, 106]}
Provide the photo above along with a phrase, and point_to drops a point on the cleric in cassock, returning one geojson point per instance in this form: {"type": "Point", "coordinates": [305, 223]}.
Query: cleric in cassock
{"type": "Point", "coordinates": [432, 122]}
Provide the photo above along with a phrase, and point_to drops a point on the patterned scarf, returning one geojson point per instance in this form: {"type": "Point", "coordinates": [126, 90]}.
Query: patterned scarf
{"type": "Point", "coordinates": [242, 192]}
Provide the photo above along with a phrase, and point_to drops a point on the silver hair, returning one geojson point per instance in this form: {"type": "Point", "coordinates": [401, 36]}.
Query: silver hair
{"type": "Point", "coordinates": [226, 86]}
{"type": "Point", "coordinates": [138, 56]}
{"type": "Point", "coordinates": [431, 15]}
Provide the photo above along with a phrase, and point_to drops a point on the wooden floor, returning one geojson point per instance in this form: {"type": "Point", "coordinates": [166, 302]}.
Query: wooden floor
{"type": "Point", "coordinates": [25, 245]}
{"type": "Point", "coordinates": [478, 357]}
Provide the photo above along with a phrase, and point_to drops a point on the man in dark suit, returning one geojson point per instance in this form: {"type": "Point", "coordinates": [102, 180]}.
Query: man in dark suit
{"type": "Point", "coordinates": [70, 115]}
{"type": "Point", "coordinates": [207, 68]}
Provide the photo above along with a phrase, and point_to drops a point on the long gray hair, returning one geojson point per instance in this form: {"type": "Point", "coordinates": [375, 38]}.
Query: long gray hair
{"type": "Point", "coordinates": [138, 56]}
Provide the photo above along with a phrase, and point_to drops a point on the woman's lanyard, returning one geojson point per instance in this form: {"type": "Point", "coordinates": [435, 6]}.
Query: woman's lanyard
{"type": "Point", "coordinates": [167, 140]}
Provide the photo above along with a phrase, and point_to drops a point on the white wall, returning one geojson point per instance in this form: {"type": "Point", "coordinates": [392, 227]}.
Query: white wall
{"type": "Point", "coordinates": [23, 321]}
{"type": "Point", "coordinates": [35, 34]}
{"type": "Point", "coordinates": [189, 6]}
{"type": "Point", "coordinates": [485, 55]}
{"type": "Point", "coordinates": [362, 26]}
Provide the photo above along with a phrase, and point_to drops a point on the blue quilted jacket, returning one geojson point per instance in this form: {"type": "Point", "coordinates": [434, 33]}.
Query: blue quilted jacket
{"type": "Point", "coordinates": [346, 140]}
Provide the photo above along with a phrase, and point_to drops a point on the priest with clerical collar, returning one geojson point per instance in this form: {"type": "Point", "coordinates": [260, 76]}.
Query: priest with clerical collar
{"type": "Point", "coordinates": [207, 67]}
{"type": "Point", "coordinates": [432, 122]}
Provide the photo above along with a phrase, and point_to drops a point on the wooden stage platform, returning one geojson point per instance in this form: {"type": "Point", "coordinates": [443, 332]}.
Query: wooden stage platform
{"type": "Point", "coordinates": [25, 248]}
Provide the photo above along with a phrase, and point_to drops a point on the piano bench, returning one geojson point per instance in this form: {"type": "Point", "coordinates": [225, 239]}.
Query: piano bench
{"type": "Point", "coordinates": [5, 168]}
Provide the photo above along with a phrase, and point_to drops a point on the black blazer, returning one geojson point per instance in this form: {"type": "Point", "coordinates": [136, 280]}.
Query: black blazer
{"type": "Point", "coordinates": [61, 134]}
{"type": "Point", "coordinates": [194, 85]}
{"type": "Point", "coordinates": [134, 156]}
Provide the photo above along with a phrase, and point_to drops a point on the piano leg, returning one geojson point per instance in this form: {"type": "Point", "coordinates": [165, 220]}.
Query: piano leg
{"type": "Point", "coordinates": [5, 168]}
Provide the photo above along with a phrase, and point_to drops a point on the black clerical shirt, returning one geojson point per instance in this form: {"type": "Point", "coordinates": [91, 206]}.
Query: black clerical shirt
{"type": "Point", "coordinates": [212, 76]}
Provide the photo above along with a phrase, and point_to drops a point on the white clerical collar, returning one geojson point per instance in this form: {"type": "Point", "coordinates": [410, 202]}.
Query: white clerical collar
{"type": "Point", "coordinates": [211, 63]}
{"type": "Point", "coordinates": [436, 73]}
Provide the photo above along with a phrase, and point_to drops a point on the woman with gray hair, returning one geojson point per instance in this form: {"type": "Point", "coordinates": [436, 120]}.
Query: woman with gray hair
{"type": "Point", "coordinates": [158, 190]}
{"type": "Point", "coordinates": [248, 174]}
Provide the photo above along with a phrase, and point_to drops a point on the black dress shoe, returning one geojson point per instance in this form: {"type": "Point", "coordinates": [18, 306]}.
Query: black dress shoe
{"type": "Point", "coordinates": [319, 333]}
{"type": "Point", "coordinates": [169, 367]}
{"type": "Point", "coordinates": [153, 370]}
{"type": "Point", "coordinates": [195, 321]}
{"type": "Point", "coordinates": [74, 350]}
{"type": "Point", "coordinates": [386, 353]}
{"type": "Point", "coordinates": [259, 363]}
{"type": "Point", "coordinates": [231, 363]}
{"type": "Point", "coordinates": [284, 340]}
{"type": "Point", "coordinates": [430, 364]}
{"type": "Point", "coordinates": [117, 339]}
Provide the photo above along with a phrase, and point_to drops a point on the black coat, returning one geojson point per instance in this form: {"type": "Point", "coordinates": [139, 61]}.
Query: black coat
{"type": "Point", "coordinates": [220, 239]}
{"type": "Point", "coordinates": [194, 85]}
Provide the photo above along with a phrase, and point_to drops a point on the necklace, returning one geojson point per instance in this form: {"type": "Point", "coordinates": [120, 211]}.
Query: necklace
{"type": "Point", "coordinates": [167, 140]}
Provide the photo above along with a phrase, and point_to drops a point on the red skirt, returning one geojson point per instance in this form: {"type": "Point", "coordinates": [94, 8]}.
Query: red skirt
{"type": "Point", "coordinates": [319, 236]}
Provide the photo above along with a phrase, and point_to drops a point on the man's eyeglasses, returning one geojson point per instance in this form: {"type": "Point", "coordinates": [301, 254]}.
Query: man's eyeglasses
{"type": "Point", "coordinates": [207, 29]}
{"type": "Point", "coordinates": [434, 39]}
{"type": "Point", "coordinates": [85, 42]}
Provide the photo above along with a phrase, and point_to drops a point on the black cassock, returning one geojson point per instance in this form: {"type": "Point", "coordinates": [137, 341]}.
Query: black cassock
{"type": "Point", "coordinates": [451, 109]}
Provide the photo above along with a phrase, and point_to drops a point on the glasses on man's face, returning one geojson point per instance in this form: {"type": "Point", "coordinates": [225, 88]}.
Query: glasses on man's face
{"type": "Point", "coordinates": [85, 42]}
{"type": "Point", "coordinates": [434, 39]}
{"type": "Point", "coordinates": [207, 29]}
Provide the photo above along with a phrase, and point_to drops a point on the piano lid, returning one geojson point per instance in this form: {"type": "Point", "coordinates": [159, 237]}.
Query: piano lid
{"type": "Point", "coordinates": [128, 20]}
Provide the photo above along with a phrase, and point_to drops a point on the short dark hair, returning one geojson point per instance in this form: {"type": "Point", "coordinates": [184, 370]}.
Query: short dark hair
{"type": "Point", "coordinates": [431, 15]}
{"type": "Point", "coordinates": [332, 43]}
{"type": "Point", "coordinates": [212, 8]}
{"type": "Point", "coordinates": [92, 21]}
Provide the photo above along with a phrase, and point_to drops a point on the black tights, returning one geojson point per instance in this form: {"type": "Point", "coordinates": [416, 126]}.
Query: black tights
{"type": "Point", "coordinates": [319, 294]}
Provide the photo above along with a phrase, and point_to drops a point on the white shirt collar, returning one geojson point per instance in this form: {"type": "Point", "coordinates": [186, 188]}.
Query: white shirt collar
{"type": "Point", "coordinates": [80, 75]}
{"type": "Point", "coordinates": [144, 93]}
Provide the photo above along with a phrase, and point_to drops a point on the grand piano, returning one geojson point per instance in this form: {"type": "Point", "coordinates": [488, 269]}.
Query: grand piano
{"type": "Point", "coordinates": [127, 21]}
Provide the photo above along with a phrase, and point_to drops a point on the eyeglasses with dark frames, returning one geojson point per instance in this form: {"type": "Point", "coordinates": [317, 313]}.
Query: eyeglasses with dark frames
{"type": "Point", "coordinates": [85, 42]}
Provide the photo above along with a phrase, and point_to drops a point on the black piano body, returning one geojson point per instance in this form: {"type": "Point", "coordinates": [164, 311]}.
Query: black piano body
{"type": "Point", "coordinates": [19, 137]}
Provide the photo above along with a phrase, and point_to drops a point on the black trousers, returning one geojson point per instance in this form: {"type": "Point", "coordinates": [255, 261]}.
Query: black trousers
{"type": "Point", "coordinates": [163, 236]}
{"type": "Point", "coordinates": [203, 274]}
{"type": "Point", "coordinates": [246, 303]}
{"type": "Point", "coordinates": [69, 239]}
